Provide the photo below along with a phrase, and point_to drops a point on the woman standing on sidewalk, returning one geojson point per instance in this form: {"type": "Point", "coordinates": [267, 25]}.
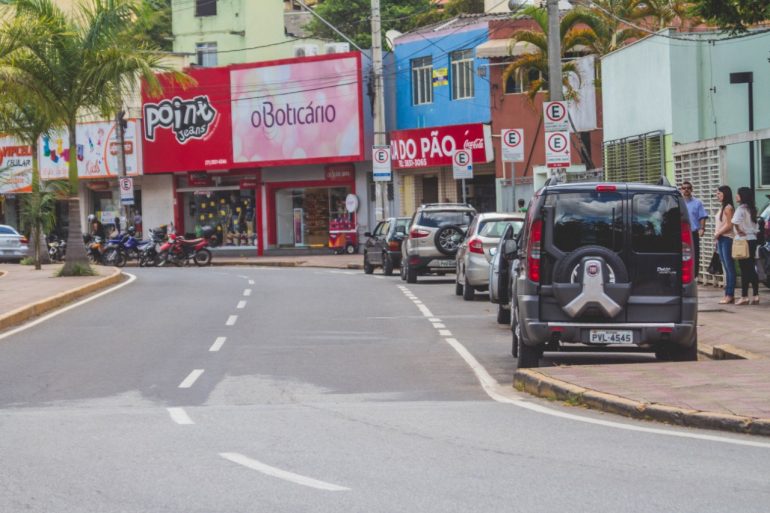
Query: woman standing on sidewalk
{"type": "Point", "coordinates": [745, 224]}
{"type": "Point", "coordinates": [723, 237]}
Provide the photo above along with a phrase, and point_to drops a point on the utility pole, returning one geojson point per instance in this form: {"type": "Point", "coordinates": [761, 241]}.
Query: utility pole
{"type": "Point", "coordinates": [120, 127]}
{"type": "Point", "coordinates": [554, 52]}
{"type": "Point", "coordinates": [381, 204]}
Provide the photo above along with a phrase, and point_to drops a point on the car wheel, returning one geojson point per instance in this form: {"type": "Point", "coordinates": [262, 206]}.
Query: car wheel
{"type": "Point", "coordinates": [469, 293]}
{"type": "Point", "coordinates": [411, 275]}
{"type": "Point", "coordinates": [503, 315]}
{"type": "Point", "coordinates": [368, 268]}
{"type": "Point", "coordinates": [515, 331]}
{"type": "Point", "coordinates": [402, 271]}
{"type": "Point", "coordinates": [387, 265]}
{"type": "Point", "coordinates": [683, 354]}
{"type": "Point", "coordinates": [458, 285]}
{"type": "Point", "coordinates": [350, 249]}
{"type": "Point", "coordinates": [528, 356]}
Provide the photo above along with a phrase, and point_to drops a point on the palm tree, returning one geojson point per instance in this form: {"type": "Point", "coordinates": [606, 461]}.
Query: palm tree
{"type": "Point", "coordinates": [77, 64]}
{"type": "Point", "coordinates": [38, 215]}
{"type": "Point", "coordinates": [611, 32]}
{"type": "Point", "coordinates": [661, 14]}
{"type": "Point", "coordinates": [576, 36]}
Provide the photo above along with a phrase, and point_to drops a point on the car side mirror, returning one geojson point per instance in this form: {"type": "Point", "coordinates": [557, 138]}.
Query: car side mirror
{"type": "Point", "coordinates": [510, 249]}
{"type": "Point", "coordinates": [367, 234]}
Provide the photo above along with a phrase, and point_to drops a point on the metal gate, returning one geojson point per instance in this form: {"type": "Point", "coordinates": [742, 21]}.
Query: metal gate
{"type": "Point", "coordinates": [639, 158]}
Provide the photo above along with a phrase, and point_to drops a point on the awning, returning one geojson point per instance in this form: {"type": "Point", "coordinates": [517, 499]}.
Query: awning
{"type": "Point", "coordinates": [501, 48]}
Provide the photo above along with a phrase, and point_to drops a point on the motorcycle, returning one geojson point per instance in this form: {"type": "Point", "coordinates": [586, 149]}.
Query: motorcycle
{"type": "Point", "coordinates": [57, 248]}
{"type": "Point", "coordinates": [763, 263]}
{"type": "Point", "coordinates": [149, 249]}
{"type": "Point", "coordinates": [180, 251]}
{"type": "Point", "coordinates": [120, 249]}
{"type": "Point", "coordinates": [94, 249]}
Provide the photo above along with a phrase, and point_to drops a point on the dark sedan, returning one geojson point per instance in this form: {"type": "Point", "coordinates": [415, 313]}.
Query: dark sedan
{"type": "Point", "coordinates": [383, 246]}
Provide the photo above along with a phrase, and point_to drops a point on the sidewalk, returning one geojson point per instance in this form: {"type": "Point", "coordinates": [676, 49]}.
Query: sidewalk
{"type": "Point", "coordinates": [731, 394]}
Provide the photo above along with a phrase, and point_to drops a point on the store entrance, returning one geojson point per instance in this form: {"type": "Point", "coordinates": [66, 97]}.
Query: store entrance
{"type": "Point", "coordinates": [305, 216]}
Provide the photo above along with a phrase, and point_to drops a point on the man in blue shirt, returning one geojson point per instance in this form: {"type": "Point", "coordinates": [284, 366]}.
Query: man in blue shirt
{"type": "Point", "coordinates": [697, 220]}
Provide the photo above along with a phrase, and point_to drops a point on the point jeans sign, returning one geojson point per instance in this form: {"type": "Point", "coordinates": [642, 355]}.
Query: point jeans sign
{"type": "Point", "coordinates": [429, 147]}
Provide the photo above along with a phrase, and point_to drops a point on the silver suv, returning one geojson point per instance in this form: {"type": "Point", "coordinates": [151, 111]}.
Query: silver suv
{"type": "Point", "coordinates": [435, 234]}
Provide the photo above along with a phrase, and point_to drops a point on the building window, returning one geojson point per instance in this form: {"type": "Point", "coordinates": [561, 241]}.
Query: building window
{"type": "Point", "coordinates": [205, 7]}
{"type": "Point", "coordinates": [422, 76]}
{"type": "Point", "coordinates": [206, 54]}
{"type": "Point", "coordinates": [764, 157]}
{"type": "Point", "coordinates": [462, 74]}
{"type": "Point", "coordinates": [519, 80]}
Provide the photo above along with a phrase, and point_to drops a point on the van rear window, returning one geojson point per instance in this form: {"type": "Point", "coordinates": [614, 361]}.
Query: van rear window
{"type": "Point", "coordinates": [587, 218]}
{"type": "Point", "coordinates": [656, 225]}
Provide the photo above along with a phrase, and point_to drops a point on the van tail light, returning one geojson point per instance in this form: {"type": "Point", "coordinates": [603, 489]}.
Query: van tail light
{"type": "Point", "coordinates": [688, 263]}
{"type": "Point", "coordinates": [476, 246]}
{"type": "Point", "coordinates": [533, 250]}
{"type": "Point", "coordinates": [393, 245]}
{"type": "Point", "coordinates": [24, 240]}
{"type": "Point", "coordinates": [418, 234]}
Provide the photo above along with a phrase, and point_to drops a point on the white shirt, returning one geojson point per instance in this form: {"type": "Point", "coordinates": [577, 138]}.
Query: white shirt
{"type": "Point", "coordinates": [742, 221]}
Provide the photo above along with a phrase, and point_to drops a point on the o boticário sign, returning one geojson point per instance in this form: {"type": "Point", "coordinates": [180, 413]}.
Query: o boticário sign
{"type": "Point", "coordinates": [381, 163]}
{"type": "Point", "coordinates": [555, 117]}
{"type": "Point", "coordinates": [512, 144]}
{"type": "Point", "coordinates": [462, 165]}
{"type": "Point", "coordinates": [557, 149]}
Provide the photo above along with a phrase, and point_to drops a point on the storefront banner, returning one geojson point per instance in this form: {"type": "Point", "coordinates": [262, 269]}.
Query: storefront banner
{"type": "Point", "coordinates": [248, 183]}
{"type": "Point", "coordinates": [15, 166]}
{"type": "Point", "coordinates": [98, 151]}
{"type": "Point", "coordinates": [340, 172]}
{"type": "Point", "coordinates": [298, 111]}
{"type": "Point", "coordinates": [189, 129]}
{"type": "Point", "coordinates": [428, 147]}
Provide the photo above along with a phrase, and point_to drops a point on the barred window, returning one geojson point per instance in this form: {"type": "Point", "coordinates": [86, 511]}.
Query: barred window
{"type": "Point", "coordinates": [422, 80]}
{"type": "Point", "coordinates": [462, 74]}
{"type": "Point", "coordinates": [206, 54]}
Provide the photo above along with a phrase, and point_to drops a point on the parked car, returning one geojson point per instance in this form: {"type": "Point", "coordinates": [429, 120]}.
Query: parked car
{"type": "Point", "coordinates": [435, 234]}
{"type": "Point", "coordinates": [608, 266]}
{"type": "Point", "coordinates": [383, 246]}
{"type": "Point", "coordinates": [500, 270]}
{"type": "Point", "coordinates": [475, 251]}
{"type": "Point", "coordinates": [13, 245]}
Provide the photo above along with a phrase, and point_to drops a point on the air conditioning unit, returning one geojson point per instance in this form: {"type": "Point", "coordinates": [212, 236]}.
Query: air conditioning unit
{"type": "Point", "coordinates": [305, 50]}
{"type": "Point", "coordinates": [336, 47]}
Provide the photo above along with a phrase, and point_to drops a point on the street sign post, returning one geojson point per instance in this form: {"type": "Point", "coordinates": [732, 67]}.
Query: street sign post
{"type": "Point", "coordinates": [381, 163]}
{"type": "Point", "coordinates": [557, 149]}
{"type": "Point", "coordinates": [555, 117]}
{"type": "Point", "coordinates": [462, 168]}
{"type": "Point", "coordinates": [126, 184]}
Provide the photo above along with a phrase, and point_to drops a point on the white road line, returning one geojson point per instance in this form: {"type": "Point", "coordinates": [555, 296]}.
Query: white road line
{"type": "Point", "coordinates": [180, 416]}
{"type": "Point", "coordinates": [247, 292]}
{"type": "Point", "coordinates": [44, 318]}
{"type": "Point", "coordinates": [191, 378]}
{"type": "Point", "coordinates": [439, 325]}
{"type": "Point", "coordinates": [281, 474]}
{"type": "Point", "coordinates": [416, 301]}
{"type": "Point", "coordinates": [243, 276]}
{"type": "Point", "coordinates": [217, 345]}
{"type": "Point", "coordinates": [434, 319]}
{"type": "Point", "coordinates": [231, 320]}
{"type": "Point", "coordinates": [251, 282]}
{"type": "Point", "coordinates": [241, 305]}
{"type": "Point", "coordinates": [379, 277]}
{"type": "Point", "coordinates": [445, 333]}
{"type": "Point", "coordinates": [425, 311]}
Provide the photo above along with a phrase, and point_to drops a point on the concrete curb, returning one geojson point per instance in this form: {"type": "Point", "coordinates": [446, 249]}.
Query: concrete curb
{"type": "Point", "coordinates": [730, 352]}
{"type": "Point", "coordinates": [541, 385]}
{"type": "Point", "coordinates": [24, 313]}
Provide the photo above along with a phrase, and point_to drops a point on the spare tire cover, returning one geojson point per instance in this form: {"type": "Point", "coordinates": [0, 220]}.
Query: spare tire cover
{"type": "Point", "coordinates": [448, 239]}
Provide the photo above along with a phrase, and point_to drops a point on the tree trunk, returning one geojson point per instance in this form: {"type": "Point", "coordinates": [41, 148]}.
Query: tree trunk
{"type": "Point", "coordinates": [76, 250]}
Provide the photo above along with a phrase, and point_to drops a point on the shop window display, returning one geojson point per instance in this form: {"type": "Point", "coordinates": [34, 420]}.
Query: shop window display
{"type": "Point", "coordinates": [230, 213]}
{"type": "Point", "coordinates": [312, 217]}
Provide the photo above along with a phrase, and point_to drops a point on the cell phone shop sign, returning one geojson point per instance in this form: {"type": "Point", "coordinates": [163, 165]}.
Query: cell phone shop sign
{"type": "Point", "coordinates": [302, 110]}
{"type": "Point", "coordinates": [429, 147]}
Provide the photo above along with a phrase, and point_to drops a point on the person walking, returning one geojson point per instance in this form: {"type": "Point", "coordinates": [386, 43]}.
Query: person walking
{"type": "Point", "coordinates": [522, 205]}
{"type": "Point", "coordinates": [745, 225]}
{"type": "Point", "coordinates": [698, 218]}
{"type": "Point", "coordinates": [723, 239]}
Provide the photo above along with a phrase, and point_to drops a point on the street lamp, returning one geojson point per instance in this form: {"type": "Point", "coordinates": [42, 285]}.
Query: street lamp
{"type": "Point", "coordinates": [747, 77]}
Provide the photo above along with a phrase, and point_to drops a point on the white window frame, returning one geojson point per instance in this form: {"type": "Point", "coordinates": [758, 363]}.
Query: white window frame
{"type": "Point", "coordinates": [462, 74]}
{"type": "Point", "coordinates": [206, 54]}
{"type": "Point", "coordinates": [422, 80]}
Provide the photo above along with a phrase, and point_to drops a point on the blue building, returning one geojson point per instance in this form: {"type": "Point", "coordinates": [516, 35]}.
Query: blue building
{"type": "Point", "coordinates": [442, 104]}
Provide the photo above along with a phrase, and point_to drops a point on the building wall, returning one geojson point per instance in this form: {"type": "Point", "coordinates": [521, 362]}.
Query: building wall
{"type": "Point", "coordinates": [157, 201]}
{"type": "Point", "coordinates": [443, 110]}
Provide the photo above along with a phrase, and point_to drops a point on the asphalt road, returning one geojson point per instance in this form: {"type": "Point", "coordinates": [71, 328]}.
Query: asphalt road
{"type": "Point", "coordinates": [308, 390]}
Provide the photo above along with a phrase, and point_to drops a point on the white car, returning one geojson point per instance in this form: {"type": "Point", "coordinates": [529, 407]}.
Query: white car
{"type": "Point", "coordinates": [13, 245]}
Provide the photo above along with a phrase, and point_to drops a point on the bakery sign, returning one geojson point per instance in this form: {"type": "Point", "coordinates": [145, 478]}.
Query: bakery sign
{"type": "Point", "coordinates": [429, 147]}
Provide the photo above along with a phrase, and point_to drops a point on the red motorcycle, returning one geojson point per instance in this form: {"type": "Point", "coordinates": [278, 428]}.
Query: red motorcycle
{"type": "Point", "coordinates": [180, 251]}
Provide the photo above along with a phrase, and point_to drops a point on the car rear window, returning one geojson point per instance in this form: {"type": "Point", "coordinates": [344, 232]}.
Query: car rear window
{"type": "Point", "coordinates": [436, 219]}
{"type": "Point", "coordinates": [656, 225]}
{"type": "Point", "coordinates": [494, 229]}
{"type": "Point", "coordinates": [4, 230]}
{"type": "Point", "coordinates": [588, 218]}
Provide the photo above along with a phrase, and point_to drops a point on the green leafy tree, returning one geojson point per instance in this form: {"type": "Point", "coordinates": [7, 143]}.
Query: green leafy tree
{"type": "Point", "coordinates": [576, 35]}
{"type": "Point", "coordinates": [732, 15]}
{"type": "Point", "coordinates": [611, 33]}
{"type": "Point", "coordinates": [76, 64]}
{"type": "Point", "coordinates": [661, 14]}
{"type": "Point", "coordinates": [152, 25]}
{"type": "Point", "coordinates": [38, 216]}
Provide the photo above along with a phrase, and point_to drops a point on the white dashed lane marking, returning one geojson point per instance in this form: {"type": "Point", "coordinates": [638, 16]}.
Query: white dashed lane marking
{"type": "Point", "coordinates": [191, 378]}
{"type": "Point", "coordinates": [180, 416]}
{"type": "Point", "coordinates": [217, 345]}
{"type": "Point", "coordinates": [231, 320]}
{"type": "Point", "coordinates": [240, 459]}
{"type": "Point", "coordinates": [247, 292]}
{"type": "Point", "coordinates": [241, 305]}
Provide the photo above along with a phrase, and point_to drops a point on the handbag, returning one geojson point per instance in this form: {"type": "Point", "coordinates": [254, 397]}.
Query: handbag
{"type": "Point", "coordinates": [740, 249]}
{"type": "Point", "coordinates": [715, 266]}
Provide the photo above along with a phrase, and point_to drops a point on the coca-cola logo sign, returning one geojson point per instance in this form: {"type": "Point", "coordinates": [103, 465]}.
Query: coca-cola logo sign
{"type": "Point", "coordinates": [435, 146]}
{"type": "Point", "coordinates": [189, 119]}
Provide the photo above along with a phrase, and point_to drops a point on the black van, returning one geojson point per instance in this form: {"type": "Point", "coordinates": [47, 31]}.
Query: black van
{"type": "Point", "coordinates": [606, 266]}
